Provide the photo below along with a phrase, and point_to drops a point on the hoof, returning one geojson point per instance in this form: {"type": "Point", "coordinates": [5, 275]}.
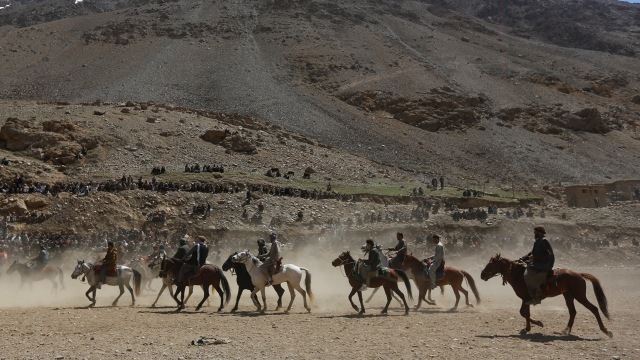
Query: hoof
{"type": "Point", "coordinates": [384, 312]}
{"type": "Point", "coordinates": [153, 306]}
{"type": "Point", "coordinates": [470, 305]}
{"type": "Point", "coordinates": [610, 334]}
{"type": "Point", "coordinates": [308, 310]}
{"type": "Point", "coordinates": [453, 309]}
{"type": "Point", "coordinates": [361, 312]}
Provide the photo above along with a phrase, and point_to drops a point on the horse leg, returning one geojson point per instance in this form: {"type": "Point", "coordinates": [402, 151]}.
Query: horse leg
{"type": "Point", "coordinates": [206, 296]}
{"type": "Point", "coordinates": [422, 291]}
{"type": "Point", "coordinates": [304, 295]}
{"type": "Point", "coordinates": [115, 302]}
{"type": "Point", "coordinates": [279, 290]}
{"type": "Point", "coordinates": [188, 296]}
{"type": "Point", "coordinates": [568, 299]}
{"type": "Point", "coordinates": [457, 294]}
{"type": "Point", "coordinates": [466, 296]}
{"type": "Point", "coordinates": [254, 298]}
{"type": "Point", "coordinates": [355, 307]}
{"type": "Point", "coordinates": [133, 299]}
{"type": "Point", "coordinates": [293, 296]}
{"type": "Point", "coordinates": [240, 290]}
{"type": "Point", "coordinates": [93, 301]}
{"type": "Point", "coordinates": [175, 297]}
{"type": "Point", "coordinates": [221, 293]}
{"type": "Point", "coordinates": [164, 286]}
{"type": "Point", "coordinates": [582, 299]}
{"type": "Point", "coordinates": [361, 304]}
{"type": "Point", "coordinates": [525, 313]}
{"type": "Point", "coordinates": [396, 290]}
{"type": "Point", "coordinates": [375, 290]}
{"type": "Point", "coordinates": [264, 300]}
{"type": "Point", "coordinates": [387, 292]}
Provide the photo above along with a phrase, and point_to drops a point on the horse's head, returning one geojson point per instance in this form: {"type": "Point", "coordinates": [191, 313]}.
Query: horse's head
{"type": "Point", "coordinates": [241, 257]}
{"type": "Point", "coordinates": [79, 269]}
{"type": "Point", "coordinates": [496, 265]}
{"type": "Point", "coordinates": [228, 264]}
{"type": "Point", "coordinates": [342, 259]}
{"type": "Point", "coordinates": [165, 267]}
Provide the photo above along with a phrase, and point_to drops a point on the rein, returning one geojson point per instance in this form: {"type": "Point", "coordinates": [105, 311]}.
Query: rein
{"type": "Point", "coordinates": [345, 262]}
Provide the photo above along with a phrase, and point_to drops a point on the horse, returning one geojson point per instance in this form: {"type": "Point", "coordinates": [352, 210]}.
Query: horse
{"type": "Point", "coordinates": [570, 284]}
{"type": "Point", "coordinates": [384, 262]}
{"type": "Point", "coordinates": [452, 276]}
{"type": "Point", "coordinates": [389, 285]}
{"type": "Point", "coordinates": [48, 272]}
{"type": "Point", "coordinates": [244, 282]}
{"type": "Point", "coordinates": [167, 282]}
{"type": "Point", "coordinates": [122, 280]}
{"type": "Point", "coordinates": [207, 275]}
{"type": "Point", "coordinates": [148, 273]}
{"type": "Point", "coordinates": [291, 274]}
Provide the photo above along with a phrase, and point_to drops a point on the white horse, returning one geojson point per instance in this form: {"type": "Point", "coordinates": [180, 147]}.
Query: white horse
{"type": "Point", "coordinates": [123, 279]}
{"type": "Point", "coordinates": [291, 274]}
{"type": "Point", "coordinates": [167, 282]}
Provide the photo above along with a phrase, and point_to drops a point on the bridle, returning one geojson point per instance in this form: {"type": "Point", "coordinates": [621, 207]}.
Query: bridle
{"type": "Point", "coordinates": [345, 262]}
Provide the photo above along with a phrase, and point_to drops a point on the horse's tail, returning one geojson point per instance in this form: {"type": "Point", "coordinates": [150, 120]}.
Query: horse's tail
{"type": "Point", "coordinates": [61, 277]}
{"type": "Point", "coordinates": [225, 285]}
{"type": "Point", "coordinates": [404, 277]}
{"type": "Point", "coordinates": [307, 285]}
{"type": "Point", "coordinates": [597, 288]}
{"type": "Point", "coordinates": [472, 285]}
{"type": "Point", "coordinates": [137, 281]}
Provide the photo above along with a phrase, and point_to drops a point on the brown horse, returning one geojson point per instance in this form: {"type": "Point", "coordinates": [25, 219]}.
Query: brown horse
{"type": "Point", "coordinates": [48, 272]}
{"type": "Point", "coordinates": [570, 284]}
{"type": "Point", "coordinates": [389, 285]}
{"type": "Point", "coordinates": [452, 276]}
{"type": "Point", "coordinates": [208, 275]}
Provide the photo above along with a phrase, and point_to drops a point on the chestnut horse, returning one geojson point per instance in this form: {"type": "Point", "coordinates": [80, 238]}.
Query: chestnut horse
{"type": "Point", "coordinates": [452, 276]}
{"type": "Point", "coordinates": [206, 276]}
{"type": "Point", "coordinates": [388, 285]}
{"type": "Point", "coordinates": [570, 284]}
{"type": "Point", "coordinates": [48, 272]}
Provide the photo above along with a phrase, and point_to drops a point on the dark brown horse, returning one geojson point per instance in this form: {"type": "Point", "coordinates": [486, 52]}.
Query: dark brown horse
{"type": "Point", "coordinates": [570, 284]}
{"type": "Point", "coordinates": [28, 275]}
{"type": "Point", "coordinates": [389, 285]}
{"type": "Point", "coordinates": [452, 276]}
{"type": "Point", "coordinates": [208, 275]}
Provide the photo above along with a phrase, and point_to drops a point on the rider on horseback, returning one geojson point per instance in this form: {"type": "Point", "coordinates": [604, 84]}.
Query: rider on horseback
{"type": "Point", "coordinates": [401, 248]}
{"type": "Point", "coordinates": [262, 249]}
{"type": "Point", "coordinates": [539, 262]}
{"type": "Point", "coordinates": [110, 262]}
{"type": "Point", "coordinates": [41, 260]}
{"type": "Point", "coordinates": [196, 257]}
{"type": "Point", "coordinates": [436, 261]}
{"type": "Point", "coordinates": [271, 258]}
{"type": "Point", "coordinates": [371, 265]}
{"type": "Point", "coordinates": [182, 250]}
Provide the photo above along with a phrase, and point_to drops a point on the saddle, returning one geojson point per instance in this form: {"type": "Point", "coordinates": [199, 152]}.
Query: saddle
{"type": "Point", "coordinates": [113, 272]}
{"type": "Point", "coordinates": [552, 276]}
{"type": "Point", "coordinates": [439, 271]}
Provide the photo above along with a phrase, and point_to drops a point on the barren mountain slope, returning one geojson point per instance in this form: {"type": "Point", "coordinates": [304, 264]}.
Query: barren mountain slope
{"type": "Point", "coordinates": [444, 91]}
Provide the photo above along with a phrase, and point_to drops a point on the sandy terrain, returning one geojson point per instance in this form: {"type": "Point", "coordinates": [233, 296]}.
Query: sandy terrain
{"type": "Point", "coordinates": [37, 325]}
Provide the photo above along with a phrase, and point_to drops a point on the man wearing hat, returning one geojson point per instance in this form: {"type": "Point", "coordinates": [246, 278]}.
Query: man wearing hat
{"type": "Point", "coordinates": [41, 260]}
{"type": "Point", "coordinates": [539, 261]}
{"type": "Point", "coordinates": [195, 257]}
{"type": "Point", "coordinates": [271, 258]}
{"type": "Point", "coordinates": [436, 261]}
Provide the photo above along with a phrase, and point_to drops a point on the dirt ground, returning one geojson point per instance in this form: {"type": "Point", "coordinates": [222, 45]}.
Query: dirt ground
{"type": "Point", "coordinates": [38, 325]}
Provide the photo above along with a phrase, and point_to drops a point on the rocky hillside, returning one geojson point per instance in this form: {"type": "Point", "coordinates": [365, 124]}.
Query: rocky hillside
{"type": "Point", "coordinates": [532, 92]}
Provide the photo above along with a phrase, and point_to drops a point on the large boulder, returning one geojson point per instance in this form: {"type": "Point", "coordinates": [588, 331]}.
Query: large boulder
{"type": "Point", "coordinates": [215, 136]}
{"type": "Point", "coordinates": [58, 141]}
{"type": "Point", "coordinates": [13, 205]}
